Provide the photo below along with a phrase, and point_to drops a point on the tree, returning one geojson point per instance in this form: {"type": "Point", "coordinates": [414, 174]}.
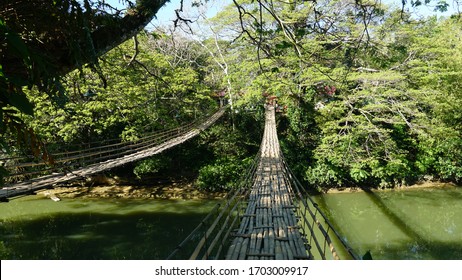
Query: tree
{"type": "Point", "coordinates": [43, 40]}
{"type": "Point", "coordinates": [139, 94]}
{"type": "Point", "coordinates": [66, 34]}
{"type": "Point", "coordinates": [359, 112]}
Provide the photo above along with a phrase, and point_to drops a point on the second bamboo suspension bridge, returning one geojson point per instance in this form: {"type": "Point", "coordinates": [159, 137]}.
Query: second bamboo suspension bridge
{"type": "Point", "coordinates": [75, 165]}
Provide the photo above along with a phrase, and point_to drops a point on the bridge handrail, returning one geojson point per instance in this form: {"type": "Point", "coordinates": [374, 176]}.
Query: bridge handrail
{"type": "Point", "coordinates": [298, 194]}
{"type": "Point", "coordinates": [92, 148]}
{"type": "Point", "coordinates": [302, 196]}
{"type": "Point", "coordinates": [193, 233]}
{"type": "Point", "coordinates": [86, 157]}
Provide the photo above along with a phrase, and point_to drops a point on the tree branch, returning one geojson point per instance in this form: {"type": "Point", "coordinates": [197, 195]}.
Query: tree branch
{"type": "Point", "coordinates": [137, 51]}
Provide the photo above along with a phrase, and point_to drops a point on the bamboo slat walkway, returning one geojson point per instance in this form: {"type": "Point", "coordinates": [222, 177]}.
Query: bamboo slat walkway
{"type": "Point", "coordinates": [269, 227]}
{"type": "Point", "coordinates": [47, 181]}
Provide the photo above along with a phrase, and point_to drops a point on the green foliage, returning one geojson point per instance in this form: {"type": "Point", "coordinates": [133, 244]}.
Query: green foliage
{"type": "Point", "coordinates": [13, 100]}
{"type": "Point", "coordinates": [368, 135]}
{"type": "Point", "coordinates": [149, 166]}
{"type": "Point", "coordinates": [5, 252]}
{"type": "Point", "coordinates": [25, 61]}
{"type": "Point", "coordinates": [231, 151]}
{"type": "Point", "coordinates": [375, 107]}
{"type": "Point", "coordinates": [222, 174]}
{"type": "Point", "coordinates": [146, 95]}
{"type": "Point", "coordinates": [371, 97]}
{"type": "Point", "coordinates": [126, 97]}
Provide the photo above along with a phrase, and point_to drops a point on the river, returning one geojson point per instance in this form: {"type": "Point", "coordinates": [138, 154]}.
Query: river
{"type": "Point", "coordinates": [36, 227]}
{"type": "Point", "coordinates": [424, 223]}
{"type": "Point", "coordinates": [421, 223]}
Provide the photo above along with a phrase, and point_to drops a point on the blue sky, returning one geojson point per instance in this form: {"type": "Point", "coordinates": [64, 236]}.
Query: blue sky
{"type": "Point", "coordinates": [167, 13]}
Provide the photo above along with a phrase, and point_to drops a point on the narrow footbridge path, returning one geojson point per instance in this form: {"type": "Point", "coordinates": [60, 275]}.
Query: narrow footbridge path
{"type": "Point", "coordinates": [82, 163]}
{"type": "Point", "coordinates": [269, 227]}
{"type": "Point", "coordinates": [268, 216]}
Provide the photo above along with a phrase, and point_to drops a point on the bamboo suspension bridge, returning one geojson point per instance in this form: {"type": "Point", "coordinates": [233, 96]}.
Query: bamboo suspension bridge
{"type": "Point", "coordinates": [85, 162]}
{"type": "Point", "coordinates": [267, 216]}
{"type": "Point", "coordinates": [269, 226]}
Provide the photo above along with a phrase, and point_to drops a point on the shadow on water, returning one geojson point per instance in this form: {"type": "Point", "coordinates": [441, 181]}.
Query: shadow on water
{"type": "Point", "coordinates": [128, 205]}
{"type": "Point", "coordinates": [416, 245]}
{"type": "Point", "coordinates": [395, 219]}
{"type": "Point", "coordinates": [435, 249]}
{"type": "Point", "coordinates": [137, 235]}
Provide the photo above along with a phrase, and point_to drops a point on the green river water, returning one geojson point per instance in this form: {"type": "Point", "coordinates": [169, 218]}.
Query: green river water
{"type": "Point", "coordinates": [35, 227]}
{"type": "Point", "coordinates": [423, 223]}
{"type": "Point", "coordinates": [412, 224]}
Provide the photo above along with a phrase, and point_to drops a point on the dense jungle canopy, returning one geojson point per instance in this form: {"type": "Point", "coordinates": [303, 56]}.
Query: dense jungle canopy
{"type": "Point", "coordinates": [369, 93]}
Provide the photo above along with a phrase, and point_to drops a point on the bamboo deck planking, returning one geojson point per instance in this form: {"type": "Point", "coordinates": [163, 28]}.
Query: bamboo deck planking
{"type": "Point", "coordinates": [269, 228]}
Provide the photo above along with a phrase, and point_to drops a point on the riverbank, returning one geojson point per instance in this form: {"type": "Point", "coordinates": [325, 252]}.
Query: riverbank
{"type": "Point", "coordinates": [422, 185]}
{"type": "Point", "coordinates": [103, 187]}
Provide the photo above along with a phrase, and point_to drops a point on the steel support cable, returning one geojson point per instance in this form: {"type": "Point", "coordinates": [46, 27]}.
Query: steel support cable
{"type": "Point", "coordinates": [129, 149]}
{"type": "Point", "coordinates": [327, 241]}
{"type": "Point", "coordinates": [296, 217]}
{"type": "Point", "coordinates": [80, 151]}
{"type": "Point", "coordinates": [293, 199]}
{"type": "Point", "coordinates": [209, 230]}
{"type": "Point", "coordinates": [108, 141]}
{"type": "Point", "coordinates": [212, 244]}
{"type": "Point", "coordinates": [146, 136]}
{"type": "Point", "coordinates": [227, 234]}
{"type": "Point", "coordinates": [192, 234]}
{"type": "Point", "coordinates": [91, 148]}
{"type": "Point", "coordinates": [311, 225]}
{"type": "Point", "coordinates": [305, 222]}
{"type": "Point", "coordinates": [268, 197]}
{"type": "Point", "coordinates": [86, 159]}
{"type": "Point", "coordinates": [113, 147]}
{"type": "Point", "coordinates": [37, 183]}
{"type": "Point", "coordinates": [231, 201]}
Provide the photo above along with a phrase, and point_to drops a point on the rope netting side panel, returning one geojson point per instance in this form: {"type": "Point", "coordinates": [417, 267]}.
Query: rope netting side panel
{"type": "Point", "coordinates": [72, 165]}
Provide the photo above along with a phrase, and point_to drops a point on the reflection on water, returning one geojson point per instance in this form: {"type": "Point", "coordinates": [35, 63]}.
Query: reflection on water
{"type": "Point", "coordinates": [38, 228]}
{"type": "Point", "coordinates": [411, 224]}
